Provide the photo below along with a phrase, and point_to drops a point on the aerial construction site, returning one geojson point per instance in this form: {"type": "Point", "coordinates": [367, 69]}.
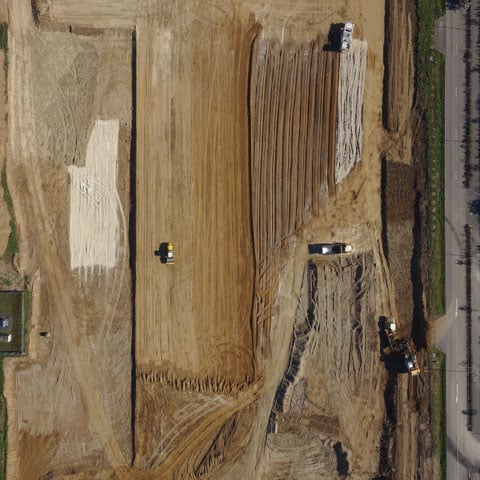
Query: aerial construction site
{"type": "Point", "coordinates": [206, 198]}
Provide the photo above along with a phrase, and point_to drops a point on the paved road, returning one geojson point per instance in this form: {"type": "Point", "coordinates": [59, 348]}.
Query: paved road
{"type": "Point", "coordinates": [463, 446]}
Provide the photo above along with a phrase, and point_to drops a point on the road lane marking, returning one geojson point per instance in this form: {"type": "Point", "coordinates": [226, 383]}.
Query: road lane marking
{"type": "Point", "coordinates": [456, 313]}
{"type": "Point", "coordinates": [456, 91]}
{"type": "Point", "coordinates": [456, 396]}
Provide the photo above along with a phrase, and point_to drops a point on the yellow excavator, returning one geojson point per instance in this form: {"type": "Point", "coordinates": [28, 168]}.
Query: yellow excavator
{"type": "Point", "coordinates": [401, 348]}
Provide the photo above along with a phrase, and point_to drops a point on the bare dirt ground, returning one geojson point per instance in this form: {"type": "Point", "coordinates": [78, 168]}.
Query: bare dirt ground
{"type": "Point", "coordinates": [246, 358]}
{"type": "Point", "coordinates": [84, 366]}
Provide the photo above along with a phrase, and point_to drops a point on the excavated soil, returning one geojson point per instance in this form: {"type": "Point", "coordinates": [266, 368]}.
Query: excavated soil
{"type": "Point", "coordinates": [398, 85]}
{"type": "Point", "coordinates": [336, 319]}
{"type": "Point", "coordinates": [241, 140]}
{"type": "Point", "coordinates": [407, 436]}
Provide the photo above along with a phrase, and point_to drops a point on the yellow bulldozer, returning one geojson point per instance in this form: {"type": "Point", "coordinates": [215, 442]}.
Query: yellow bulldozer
{"type": "Point", "coordinates": [165, 252]}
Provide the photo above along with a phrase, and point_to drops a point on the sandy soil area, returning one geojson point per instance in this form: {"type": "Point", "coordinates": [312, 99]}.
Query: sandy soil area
{"type": "Point", "coordinates": [246, 358]}
{"type": "Point", "coordinates": [350, 107]}
{"type": "Point", "coordinates": [85, 365]}
{"type": "Point", "coordinates": [94, 224]}
{"type": "Point", "coordinates": [312, 388]}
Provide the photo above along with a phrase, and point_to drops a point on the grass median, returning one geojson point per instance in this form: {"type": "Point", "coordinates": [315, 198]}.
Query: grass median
{"type": "Point", "coordinates": [436, 363]}
{"type": "Point", "coordinates": [430, 79]}
{"type": "Point", "coordinates": [12, 244]}
{"type": "Point", "coordinates": [430, 85]}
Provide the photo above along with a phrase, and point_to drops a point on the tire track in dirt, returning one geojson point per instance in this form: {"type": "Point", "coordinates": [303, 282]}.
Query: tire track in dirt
{"type": "Point", "coordinates": [293, 105]}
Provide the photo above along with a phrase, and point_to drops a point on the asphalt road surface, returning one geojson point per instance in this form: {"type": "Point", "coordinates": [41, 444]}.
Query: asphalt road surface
{"type": "Point", "coordinates": [463, 461]}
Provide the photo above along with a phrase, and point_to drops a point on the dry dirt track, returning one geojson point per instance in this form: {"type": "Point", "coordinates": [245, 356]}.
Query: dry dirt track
{"type": "Point", "coordinates": [235, 163]}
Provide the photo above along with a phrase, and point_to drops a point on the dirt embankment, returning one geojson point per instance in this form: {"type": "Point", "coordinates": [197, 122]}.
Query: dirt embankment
{"type": "Point", "coordinates": [4, 213]}
{"type": "Point", "coordinates": [407, 441]}
{"type": "Point", "coordinates": [398, 85]}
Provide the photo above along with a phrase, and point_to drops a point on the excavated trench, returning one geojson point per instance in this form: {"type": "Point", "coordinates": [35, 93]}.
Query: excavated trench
{"type": "Point", "coordinates": [388, 435]}
{"type": "Point", "coordinates": [342, 460]}
{"type": "Point", "coordinates": [301, 333]}
{"type": "Point", "coordinates": [299, 339]}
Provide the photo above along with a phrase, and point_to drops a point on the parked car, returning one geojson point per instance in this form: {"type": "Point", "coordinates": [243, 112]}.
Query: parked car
{"type": "Point", "coordinates": [4, 322]}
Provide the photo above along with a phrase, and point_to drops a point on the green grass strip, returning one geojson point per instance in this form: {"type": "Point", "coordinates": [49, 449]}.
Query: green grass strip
{"type": "Point", "coordinates": [430, 81]}
{"type": "Point", "coordinates": [436, 363]}
{"type": "Point", "coordinates": [12, 244]}
{"type": "Point", "coordinates": [430, 85]}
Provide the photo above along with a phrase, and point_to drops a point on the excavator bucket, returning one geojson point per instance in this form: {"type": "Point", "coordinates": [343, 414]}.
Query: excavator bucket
{"type": "Point", "coordinates": [415, 371]}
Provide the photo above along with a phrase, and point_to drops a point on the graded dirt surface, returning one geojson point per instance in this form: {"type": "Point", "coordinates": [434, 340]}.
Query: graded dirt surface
{"type": "Point", "coordinates": [193, 189]}
{"type": "Point", "coordinates": [246, 358]}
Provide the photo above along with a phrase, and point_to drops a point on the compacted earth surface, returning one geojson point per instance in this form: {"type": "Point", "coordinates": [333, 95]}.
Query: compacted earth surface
{"type": "Point", "coordinates": [240, 133]}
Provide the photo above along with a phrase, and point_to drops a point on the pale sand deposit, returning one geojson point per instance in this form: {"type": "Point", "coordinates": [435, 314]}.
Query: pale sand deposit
{"type": "Point", "coordinates": [351, 85]}
{"type": "Point", "coordinates": [94, 229]}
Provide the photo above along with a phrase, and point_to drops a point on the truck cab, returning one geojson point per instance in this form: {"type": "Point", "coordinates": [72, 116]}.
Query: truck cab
{"type": "Point", "coordinates": [346, 39]}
